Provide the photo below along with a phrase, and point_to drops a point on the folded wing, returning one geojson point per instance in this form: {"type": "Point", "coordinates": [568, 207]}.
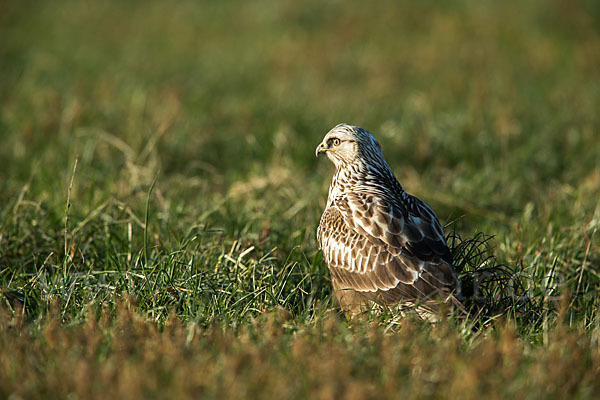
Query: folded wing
{"type": "Point", "coordinates": [390, 251]}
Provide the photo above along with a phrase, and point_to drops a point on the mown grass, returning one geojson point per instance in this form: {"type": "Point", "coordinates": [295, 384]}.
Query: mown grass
{"type": "Point", "coordinates": [191, 265]}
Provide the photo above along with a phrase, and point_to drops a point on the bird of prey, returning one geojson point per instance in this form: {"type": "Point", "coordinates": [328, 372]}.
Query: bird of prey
{"type": "Point", "coordinates": [382, 245]}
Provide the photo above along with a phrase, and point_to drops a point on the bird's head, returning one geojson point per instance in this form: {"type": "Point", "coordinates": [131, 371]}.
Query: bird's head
{"type": "Point", "coordinates": [347, 144]}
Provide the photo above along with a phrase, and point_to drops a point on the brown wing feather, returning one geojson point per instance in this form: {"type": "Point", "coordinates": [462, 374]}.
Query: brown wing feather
{"type": "Point", "coordinates": [408, 225]}
{"type": "Point", "coordinates": [383, 252]}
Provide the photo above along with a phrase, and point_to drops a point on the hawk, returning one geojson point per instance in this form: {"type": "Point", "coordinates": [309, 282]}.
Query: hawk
{"type": "Point", "coordinates": [382, 245]}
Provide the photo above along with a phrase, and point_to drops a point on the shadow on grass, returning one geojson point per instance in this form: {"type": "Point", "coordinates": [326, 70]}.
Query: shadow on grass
{"type": "Point", "coordinates": [492, 289]}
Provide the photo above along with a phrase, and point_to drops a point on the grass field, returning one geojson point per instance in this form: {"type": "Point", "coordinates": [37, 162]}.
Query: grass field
{"type": "Point", "coordinates": [182, 137]}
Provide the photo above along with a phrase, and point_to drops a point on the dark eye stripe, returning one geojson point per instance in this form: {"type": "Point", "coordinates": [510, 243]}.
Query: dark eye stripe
{"type": "Point", "coordinates": [331, 141]}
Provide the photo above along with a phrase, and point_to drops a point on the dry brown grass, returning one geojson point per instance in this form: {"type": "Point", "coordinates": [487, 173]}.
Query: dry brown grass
{"type": "Point", "coordinates": [123, 355]}
{"type": "Point", "coordinates": [197, 193]}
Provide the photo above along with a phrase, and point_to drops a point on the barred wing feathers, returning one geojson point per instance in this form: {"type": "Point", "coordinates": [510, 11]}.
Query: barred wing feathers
{"type": "Point", "coordinates": [388, 251]}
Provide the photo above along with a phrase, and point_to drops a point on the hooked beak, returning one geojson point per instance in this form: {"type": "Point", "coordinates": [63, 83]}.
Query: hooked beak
{"type": "Point", "coordinates": [321, 149]}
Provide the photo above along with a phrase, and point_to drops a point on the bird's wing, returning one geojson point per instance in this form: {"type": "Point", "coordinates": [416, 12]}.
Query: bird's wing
{"type": "Point", "coordinates": [372, 246]}
{"type": "Point", "coordinates": [403, 225]}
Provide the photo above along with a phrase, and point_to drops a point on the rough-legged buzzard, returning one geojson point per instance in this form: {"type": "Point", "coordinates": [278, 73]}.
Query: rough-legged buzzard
{"type": "Point", "coordinates": [381, 244]}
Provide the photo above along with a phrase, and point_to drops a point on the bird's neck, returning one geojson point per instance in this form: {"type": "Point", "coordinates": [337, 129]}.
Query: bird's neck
{"type": "Point", "coordinates": [363, 178]}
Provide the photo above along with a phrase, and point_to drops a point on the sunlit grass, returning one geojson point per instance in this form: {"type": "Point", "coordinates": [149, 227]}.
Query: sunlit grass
{"type": "Point", "coordinates": [191, 265]}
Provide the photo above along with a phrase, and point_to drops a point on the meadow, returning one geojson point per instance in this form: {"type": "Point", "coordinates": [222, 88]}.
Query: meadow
{"type": "Point", "coordinates": [159, 196]}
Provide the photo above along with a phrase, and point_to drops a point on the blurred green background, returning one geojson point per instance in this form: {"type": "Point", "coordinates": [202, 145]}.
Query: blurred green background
{"type": "Point", "coordinates": [190, 266]}
{"type": "Point", "coordinates": [486, 109]}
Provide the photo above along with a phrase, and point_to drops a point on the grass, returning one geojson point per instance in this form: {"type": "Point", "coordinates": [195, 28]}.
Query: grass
{"type": "Point", "coordinates": [189, 266]}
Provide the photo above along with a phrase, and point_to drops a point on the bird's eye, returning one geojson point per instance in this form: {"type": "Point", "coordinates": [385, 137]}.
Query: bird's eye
{"type": "Point", "coordinates": [336, 142]}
